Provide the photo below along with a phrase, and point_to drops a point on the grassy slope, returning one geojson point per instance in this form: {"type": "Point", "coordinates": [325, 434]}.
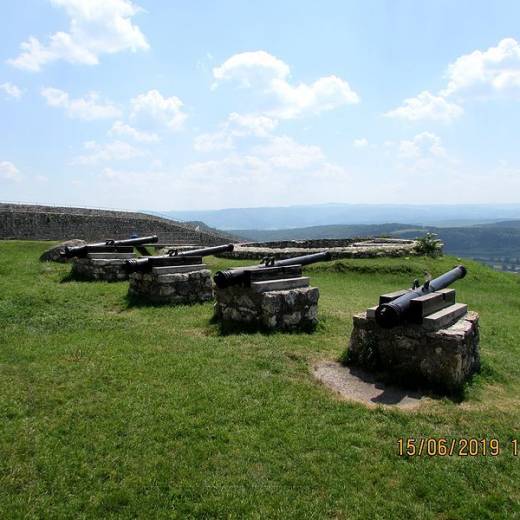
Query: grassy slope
{"type": "Point", "coordinates": [111, 411]}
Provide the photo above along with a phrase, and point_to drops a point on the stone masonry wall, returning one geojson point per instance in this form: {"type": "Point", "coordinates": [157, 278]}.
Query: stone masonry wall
{"type": "Point", "coordinates": [110, 270]}
{"type": "Point", "coordinates": [340, 248]}
{"type": "Point", "coordinates": [179, 288]}
{"type": "Point", "coordinates": [325, 242]}
{"type": "Point", "coordinates": [408, 354]}
{"type": "Point", "coordinates": [275, 310]}
{"type": "Point", "coordinates": [26, 222]}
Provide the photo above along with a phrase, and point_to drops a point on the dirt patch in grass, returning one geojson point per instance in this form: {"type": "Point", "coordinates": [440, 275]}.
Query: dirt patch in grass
{"type": "Point", "coordinates": [357, 385]}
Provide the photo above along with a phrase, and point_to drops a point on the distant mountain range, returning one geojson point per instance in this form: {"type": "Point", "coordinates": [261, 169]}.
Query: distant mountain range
{"type": "Point", "coordinates": [271, 218]}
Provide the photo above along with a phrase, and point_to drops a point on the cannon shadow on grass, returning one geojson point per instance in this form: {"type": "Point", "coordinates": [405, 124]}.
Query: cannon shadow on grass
{"type": "Point", "coordinates": [73, 277]}
{"type": "Point", "coordinates": [406, 386]}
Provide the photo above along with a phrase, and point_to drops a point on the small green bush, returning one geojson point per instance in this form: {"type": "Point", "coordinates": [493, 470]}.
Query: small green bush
{"type": "Point", "coordinates": [429, 245]}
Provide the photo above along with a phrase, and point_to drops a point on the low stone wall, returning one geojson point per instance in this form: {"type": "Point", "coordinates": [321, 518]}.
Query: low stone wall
{"type": "Point", "coordinates": [26, 222]}
{"type": "Point", "coordinates": [274, 310]}
{"type": "Point", "coordinates": [325, 243]}
{"type": "Point", "coordinates": [109, 270]}
{"type": "Point", "coordinates": [178, 288]}
{"type": "Point", "coordinates": [443, 359]}
{"type": "Point", "coordinates": [345, 248]}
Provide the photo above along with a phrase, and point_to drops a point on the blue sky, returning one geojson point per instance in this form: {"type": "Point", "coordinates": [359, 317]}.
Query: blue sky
{"type": "Point", "coordinates": [198, 105]}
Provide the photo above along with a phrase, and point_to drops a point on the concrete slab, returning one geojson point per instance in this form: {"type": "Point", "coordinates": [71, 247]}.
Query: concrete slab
{"type": "Point", "coordinates": [280, 285]}
{"type": "Point", "coordinates": [354, 384]}
{"type": "Point", "coordinates": [445, 317]}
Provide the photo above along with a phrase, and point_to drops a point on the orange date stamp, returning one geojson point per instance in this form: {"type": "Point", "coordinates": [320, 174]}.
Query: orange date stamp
{"type": "Point", "coordinates": [454, 447]}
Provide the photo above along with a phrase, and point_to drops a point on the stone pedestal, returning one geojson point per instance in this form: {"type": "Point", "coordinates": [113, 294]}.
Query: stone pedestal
{"type": "Point", "coordinates": [108, 267]}
{"type": "Point", "coordinates": [441, 353]}
{"type": "Point", "coordinates": [182, 284]}
{"type": "Point", "coordinates": [285, 309]}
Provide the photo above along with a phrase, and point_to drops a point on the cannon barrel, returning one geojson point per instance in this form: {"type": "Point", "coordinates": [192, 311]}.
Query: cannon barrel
{"type": "Point", "coordinates": [143, 264]}
{"type": "Point", "coordinates": [78, 251]}
{"type": "Point", "coordinates": [205, 251]}
{"type": "Point", "coordinates": [393, 313]}
{"type": "Point", "coordinates": [236, 276]}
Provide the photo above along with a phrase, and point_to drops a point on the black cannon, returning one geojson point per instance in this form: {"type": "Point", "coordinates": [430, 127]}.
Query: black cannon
{"type": "Point", "coordinates": [393, 313]}
{"type": "Point", "coordinates": [239, 275]}
{"type": "Point", "coordinates": [174, 257]}
{"type": "Point", "coordinates": [108, 246]}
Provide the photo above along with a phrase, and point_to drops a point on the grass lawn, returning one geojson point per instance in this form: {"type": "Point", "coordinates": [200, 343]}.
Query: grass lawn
{"type": "Point", "coordinates": [117, 411]}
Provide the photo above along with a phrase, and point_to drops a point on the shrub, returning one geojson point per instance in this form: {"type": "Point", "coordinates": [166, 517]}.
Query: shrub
{"type": "Point", "coordinates": [429, 245]}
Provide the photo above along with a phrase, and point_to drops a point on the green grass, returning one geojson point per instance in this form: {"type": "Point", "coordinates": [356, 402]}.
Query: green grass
{"type": "Point", "coordinates": [111, 411]}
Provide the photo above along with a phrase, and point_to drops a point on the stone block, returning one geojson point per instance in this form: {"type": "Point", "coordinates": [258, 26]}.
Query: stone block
{"type": "Point", "coordinates": [174, 269]}
{"type": "Point", "coordinates": [445, 317]}
{"type": "Point", "coordinates": [429, 303]}
{"type": "Point", "coordinates": [173, 288]}
{"type": "Point", "coordinates": [280, 285]}
{"type": "Point", "coordinates": [99, 269]}
{"type": "Point", "coordinates": [288, 309]}
{"type": "Point", "coordinates": [442, 359]}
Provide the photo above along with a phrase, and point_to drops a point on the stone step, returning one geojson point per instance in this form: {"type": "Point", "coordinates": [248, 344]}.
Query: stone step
{"type": "Point", "coordinates": [280, 285]}
{"type": "Point", "coordinates": [429, 303]}
{"type": "Point", "coordinates": [175, 269]}
{"type": "Point", "coordinates": [445, 317]}
{"type": "Point", "coordinates": [108, 256]}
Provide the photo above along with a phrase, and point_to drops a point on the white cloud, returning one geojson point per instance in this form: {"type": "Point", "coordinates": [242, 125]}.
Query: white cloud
{"type": "Point", "coordinates": [420, 146]}
{"type": "Point", "coordinates": [478, 74]}
{"type": "Point", "coordinates": [260, 70]}
{"type": "Point", "coordinates": [212, 142]}
{"type": "Point", "coordinates": [497, 68]}
{"type": "Point", "coordinates": [251, 68]}
{"type": "Point", "coordinates": [120, 128]}
{"type": "Point", "coordinates": [252, 124]}
{"type": "Point", "coordinates": [96, 27]}
{"type": "Point", "coordinates": [88, 108]}
{"type": "Point", "coordinates": [285, 153]}
{"type": "Point", "coordinates": [424, 153]}
{"type": "Point", "coordinates": [235, 126]}
{"type": "Point", "coordinates": [9, 172]}
{"type": "Point", "coordinates": [114, 151]}
{"type": "Point", "coordinates": [426, 106]}
{"type": "Point", "coordinates": [11, 90]}
{"type": "Point", "coordinates": [279, 158]}
{"type": "Point", "coordinates": [360, 143]}
{"type": "Point", "coordinates": [153, 105]}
